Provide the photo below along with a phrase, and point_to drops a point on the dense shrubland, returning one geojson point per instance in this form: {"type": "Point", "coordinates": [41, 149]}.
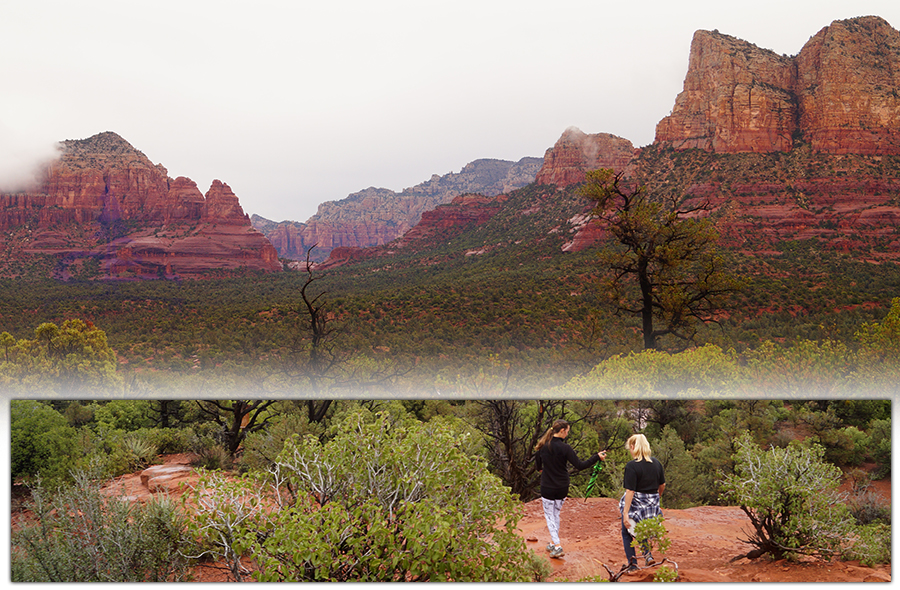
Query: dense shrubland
{"type": "Point", "coordinates": [433, 478]}
{"type": "Point", "coordinates": [459, 339]}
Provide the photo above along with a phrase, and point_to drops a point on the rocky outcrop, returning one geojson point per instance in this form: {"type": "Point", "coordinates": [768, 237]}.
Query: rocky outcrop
{"type": "Point", "coordinates": [575, 153]}
{"type": "Point", "coordinates": [839, 94]}
{"type": "Point", "coordinates": [848, 86]}
{"type": "Point", "coordinates": [222, 206]}
{"type": "Point", "coordinates": [847, 202]}
{"type": "Point", "coordinates": [377, 215]}
{"type": "Point", "coordinates": [103, 199]}
{"type": "Point", "coordinates": [464, 211]}
{"type": "Point", "coordinates": [736, 98]}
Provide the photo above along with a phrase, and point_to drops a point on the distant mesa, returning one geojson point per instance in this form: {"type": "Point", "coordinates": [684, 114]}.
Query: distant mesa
{"type": "Point", "coordinates": [105, 210]}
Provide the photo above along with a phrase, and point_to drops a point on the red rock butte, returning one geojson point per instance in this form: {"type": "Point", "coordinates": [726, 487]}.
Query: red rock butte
{"type": "Point", "coordinates": [839, 94]}
{"type": "Point", "coordinates": [103, 199]}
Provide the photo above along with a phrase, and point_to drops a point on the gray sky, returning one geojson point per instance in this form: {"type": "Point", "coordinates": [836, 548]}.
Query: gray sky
{"type": "Point", "coordinates": [297, 103]}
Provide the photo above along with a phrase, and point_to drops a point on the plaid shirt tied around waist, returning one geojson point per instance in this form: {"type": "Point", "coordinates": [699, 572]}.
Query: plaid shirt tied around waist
{"type": "Point", "coordinates": [643, 506]}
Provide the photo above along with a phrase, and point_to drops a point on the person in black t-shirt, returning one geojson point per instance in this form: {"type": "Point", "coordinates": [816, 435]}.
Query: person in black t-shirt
{"type": "Point", "coordinates": [552, 455]}
{"type": "Point", "coordinates": [644, 483]}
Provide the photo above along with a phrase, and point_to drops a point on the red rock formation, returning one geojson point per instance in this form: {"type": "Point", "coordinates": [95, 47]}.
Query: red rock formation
{"type": "Point", "coordinates": [736, 98]}
{"type": "Point", "coordinates": [184, 201]}
{"type": "Point", "coordinates": [575, 153]}
{"type": "Point", "coordinates": [848, 78]}
{"type": "Point", "coordinates": [97, 182]}
{"type": "Point", "coordinates": [462, 212]}
{"type": "Point", "coordinates": [222, 206]}
{"type": "Point", "coordinates": [839, 93]}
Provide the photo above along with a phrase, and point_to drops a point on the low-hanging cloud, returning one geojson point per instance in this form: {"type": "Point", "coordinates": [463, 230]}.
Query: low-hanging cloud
{"type": "Point", "coordinates": [22, 159]}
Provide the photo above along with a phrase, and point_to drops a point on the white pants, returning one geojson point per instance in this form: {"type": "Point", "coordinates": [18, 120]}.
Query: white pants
{"type": "Point", "coordinates": [552, 508]}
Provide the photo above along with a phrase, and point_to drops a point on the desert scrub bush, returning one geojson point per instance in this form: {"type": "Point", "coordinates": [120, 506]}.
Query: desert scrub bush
{"type": "Point", "coordinates": [386, 498]}
{"type": "Point", "coordinates": [208, 447]}
{"type": "Point", "coordinates": [866, 504]}
{"type": "Point", "coordinates": [83, 535]}
{"type": "Point", "coordinates": [871, 544]}
{"type": "Point", "coordinates": [168, 440]}
{"type": "Point", "coordinates": [791, 497]}
{"type": "Point", "coordinates": [225, 510]}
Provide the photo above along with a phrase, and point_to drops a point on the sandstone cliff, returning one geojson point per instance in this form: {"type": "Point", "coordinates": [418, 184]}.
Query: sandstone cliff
{"type": "Point", "coordinates": [103, 200]}
{"type": "Point", "coordinates": [839, 94]}
{"type": "Point", "coordinates": [575, 153]}
{"type": "Point", "coordinates": [376, 215]}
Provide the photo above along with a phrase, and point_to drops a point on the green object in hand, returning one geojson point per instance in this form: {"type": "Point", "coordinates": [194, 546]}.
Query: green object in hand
{"type": "Point", "coordinates": [598, 467]}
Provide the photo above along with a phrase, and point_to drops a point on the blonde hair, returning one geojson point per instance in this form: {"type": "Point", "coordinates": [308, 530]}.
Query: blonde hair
{"type": "Point", "coordinates": [640, 448]}
{"type": "Point", "coordinates": [558, 426]}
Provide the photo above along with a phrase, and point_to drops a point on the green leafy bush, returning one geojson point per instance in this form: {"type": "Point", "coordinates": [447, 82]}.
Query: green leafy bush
{"type": "Point", "coordinates": [123, 414]}
{"type": "Point", "coordinates": [872, 544]}
{"type": "Point", "coordinates": [384, 499]}
{"type": "Point", "coordinates": [41, 442]}
{"type": "Point", "coordinates": [880, 435]}
{"type": "Point", "coordinates": [791, 497]}
{"type": "Point", "coordinates": [683, 488]}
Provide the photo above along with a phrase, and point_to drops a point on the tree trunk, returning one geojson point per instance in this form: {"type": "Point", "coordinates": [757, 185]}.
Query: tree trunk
{"type": "Point", "coordinates": [646, 306]}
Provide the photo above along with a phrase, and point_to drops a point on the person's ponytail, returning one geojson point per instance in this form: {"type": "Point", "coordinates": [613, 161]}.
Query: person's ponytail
{"type": "Point", "coordinates": [557, 426]}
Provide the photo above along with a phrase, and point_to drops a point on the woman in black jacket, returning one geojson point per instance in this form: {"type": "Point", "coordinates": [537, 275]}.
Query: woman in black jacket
{"type": "Point", "coordinates": [552, 455]}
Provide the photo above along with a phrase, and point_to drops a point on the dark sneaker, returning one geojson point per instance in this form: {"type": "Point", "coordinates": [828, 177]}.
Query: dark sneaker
{"type": "Point", "coordinates": [650, 561]}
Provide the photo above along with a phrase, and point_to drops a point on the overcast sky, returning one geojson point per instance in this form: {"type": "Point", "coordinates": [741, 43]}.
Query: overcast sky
{"type": "Point", "coordinates": [297, 103]}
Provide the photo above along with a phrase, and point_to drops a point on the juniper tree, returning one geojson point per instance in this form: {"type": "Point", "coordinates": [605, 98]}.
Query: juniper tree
{"type": "Point", "coordinates": [662, 263]}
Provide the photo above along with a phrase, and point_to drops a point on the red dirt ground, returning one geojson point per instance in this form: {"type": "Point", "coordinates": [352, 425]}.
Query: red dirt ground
{"type": "Point", "coordinates": [704, 540]}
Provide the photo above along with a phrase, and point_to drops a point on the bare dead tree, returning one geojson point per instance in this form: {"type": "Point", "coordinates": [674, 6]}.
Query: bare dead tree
{"type": "Point", "coordinates": [319, 357]}
{"type": "Point", "coordinates": [237, 417]}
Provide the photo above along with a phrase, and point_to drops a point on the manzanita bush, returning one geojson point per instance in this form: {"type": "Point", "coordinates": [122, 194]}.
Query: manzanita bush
{"type": "Point", "coordinates": [385, 499]}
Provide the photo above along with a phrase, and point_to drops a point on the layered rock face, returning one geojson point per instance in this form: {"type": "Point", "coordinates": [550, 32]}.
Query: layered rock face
{"type": "Point", "coordinates": [575, 153]}
{"type": "Point", "coordinates": [376, 216]}
{"type": "Point", "coordinates": [101, 185]}
{"type": "Point", "coordinates": [839, 94]}
{"type": "Point", "coordinates": [848, 86]}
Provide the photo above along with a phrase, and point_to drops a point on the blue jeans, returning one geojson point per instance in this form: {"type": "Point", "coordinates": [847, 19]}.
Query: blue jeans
{"type": "Point", "coordinates": [629, 550]}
